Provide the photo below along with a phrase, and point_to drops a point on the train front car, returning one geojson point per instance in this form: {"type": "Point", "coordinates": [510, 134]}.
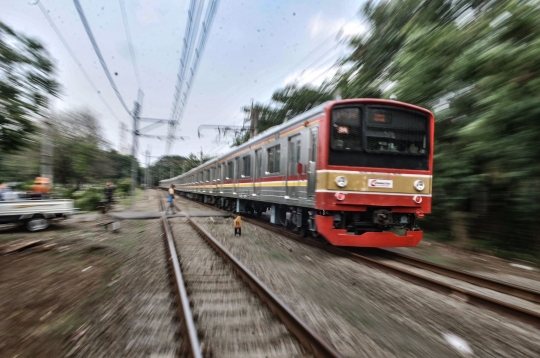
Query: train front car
{"type": "Point", "coordinates": [374, 173]}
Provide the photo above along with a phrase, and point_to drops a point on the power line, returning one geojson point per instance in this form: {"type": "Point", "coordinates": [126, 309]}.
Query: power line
{"type": "Point", "coordinates": [190, 33]}
{"type": "Point", "coordinates": [320, 57]}
{"type": "Point", "coordinates": [192, 25]}
{"type": "Point", "coordinates": [98, 53]}
{"type": "Point", "coordinates": [70, 51]}
{"type": "Point", "coordinates": [206, 26]}
{"type": "Point", "coordinates": [130, 42]}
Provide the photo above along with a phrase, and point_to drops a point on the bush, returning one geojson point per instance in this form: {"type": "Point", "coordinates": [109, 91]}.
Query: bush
{"type": "Point", "coordinates": [123, 186]}
{"type": "Point", "coordinates": [89, 199]}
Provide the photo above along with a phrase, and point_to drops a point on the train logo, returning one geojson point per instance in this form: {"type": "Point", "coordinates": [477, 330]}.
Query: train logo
{"type": "Point", "coordinates": [380, 183]}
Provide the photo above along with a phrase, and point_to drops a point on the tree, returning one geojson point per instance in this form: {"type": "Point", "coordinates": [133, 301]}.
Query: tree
{"type": "Point", "coordinates": [174, 165]}
{"type": "Point", "coordinates": [26, 79]}
{"type": "Point", "coordinates": [286, 103]}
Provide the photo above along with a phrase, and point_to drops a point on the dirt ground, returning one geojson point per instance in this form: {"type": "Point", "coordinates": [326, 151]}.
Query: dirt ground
{"type": "Point", "coordinates": [69, 300]}
{"type": "Point", "coordinates": [46, 295]}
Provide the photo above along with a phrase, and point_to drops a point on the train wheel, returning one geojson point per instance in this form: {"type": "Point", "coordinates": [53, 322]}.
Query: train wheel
{"type": "Point", "coordinates": [302, 231]}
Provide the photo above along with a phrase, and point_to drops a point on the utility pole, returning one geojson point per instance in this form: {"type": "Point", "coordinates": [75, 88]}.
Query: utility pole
{"type": "Point", "coordinates": [254, 121]}
{"type": "Point", "coordinates": [135, 146]}
{"type": "Point", "coordinates": [47, 152]}
{"type": "Point", "coordinates": [147, 162]}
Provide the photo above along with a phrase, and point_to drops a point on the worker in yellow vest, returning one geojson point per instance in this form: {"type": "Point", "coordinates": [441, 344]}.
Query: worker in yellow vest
{"type": "Point", "coordinates": [238, 226]}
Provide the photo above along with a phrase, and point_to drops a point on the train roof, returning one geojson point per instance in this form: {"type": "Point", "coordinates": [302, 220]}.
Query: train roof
{"type": "Point", "coordinates": [270, 131]}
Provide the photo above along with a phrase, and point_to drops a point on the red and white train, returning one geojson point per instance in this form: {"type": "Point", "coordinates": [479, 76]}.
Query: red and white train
{"type": "Point", "coordinates": [356, 172]}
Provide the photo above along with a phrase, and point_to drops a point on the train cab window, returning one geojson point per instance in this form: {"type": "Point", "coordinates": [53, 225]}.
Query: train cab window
{"type": "Point", "coordinates": [273, 157]}
{"type": "Point", "coordinates": [396, 131]}
{"type": "Point", "coordinates": [230, 170]}
{"type": "Point", "coordinates": [346, 129]}
{"type": "Point", "coordinates": [246, 166]}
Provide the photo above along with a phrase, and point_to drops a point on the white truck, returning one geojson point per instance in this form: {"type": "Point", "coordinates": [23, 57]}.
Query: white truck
{"type": "Point", "coordinates": [34, 214]}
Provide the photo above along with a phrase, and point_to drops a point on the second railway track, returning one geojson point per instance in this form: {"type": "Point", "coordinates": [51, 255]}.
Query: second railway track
{"type": "Point", "coordinates": [225, 309]}
{"type": "Point", "coordinates": [527, 311]}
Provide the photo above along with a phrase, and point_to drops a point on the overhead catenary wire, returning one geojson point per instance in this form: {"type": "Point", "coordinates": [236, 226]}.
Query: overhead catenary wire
{"type": "Point", "coordinates": [192, 25]}
{"type": "Point", "coordinates": [98, 53]}
{"type": "Point", "coordinates": [130, 42]}
{"type": "Point", "coordinates": [74, 57]}
{"type": "Point", "coordinates": [211, 11]}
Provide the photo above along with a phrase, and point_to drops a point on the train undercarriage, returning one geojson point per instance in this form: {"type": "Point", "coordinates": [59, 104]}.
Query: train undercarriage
{"type": "Point", "coordinates": [375, 227]}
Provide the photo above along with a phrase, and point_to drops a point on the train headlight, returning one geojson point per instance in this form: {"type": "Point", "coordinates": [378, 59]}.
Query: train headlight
{"type": "Point", "coordinates": [419, 185]}
{"type": "Point", "coordinates": [341, 181]}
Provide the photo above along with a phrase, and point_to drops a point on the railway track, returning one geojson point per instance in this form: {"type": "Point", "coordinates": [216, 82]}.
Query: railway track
{"type": "Point", "coordinates": [225, 310]}
{"type": "Point", "coordinates": [435, 277]}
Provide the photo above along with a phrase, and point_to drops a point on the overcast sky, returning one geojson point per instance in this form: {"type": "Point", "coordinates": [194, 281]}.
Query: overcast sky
{"type": "Point", "coordinates": [252, 50]}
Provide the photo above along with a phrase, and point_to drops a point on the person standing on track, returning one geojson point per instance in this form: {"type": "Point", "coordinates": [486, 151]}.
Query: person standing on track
{"type": "Point", "coordinates": [170, 199]}
{"type": "Point", "coordinates": [238, 226]}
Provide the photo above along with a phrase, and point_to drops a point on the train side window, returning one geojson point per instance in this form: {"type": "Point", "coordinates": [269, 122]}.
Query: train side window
{"type": "Point", "coordinates": [273, 157]}
{"type": "Point", "coordinates": [237, 165]}
{"type": "Point", "coordinates": [230, 170]}
{"type": "Point", "coordinates": [246, 164]}
{"type": "Point", "coordinates": [313, 146]}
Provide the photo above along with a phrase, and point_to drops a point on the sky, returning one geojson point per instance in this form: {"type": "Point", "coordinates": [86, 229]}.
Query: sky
{"type": "Point", "coordinates": [254, 48]}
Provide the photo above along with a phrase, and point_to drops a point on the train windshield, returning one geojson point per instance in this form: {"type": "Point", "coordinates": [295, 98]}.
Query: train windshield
{"type": "Point", "coordinates": [379, 136]}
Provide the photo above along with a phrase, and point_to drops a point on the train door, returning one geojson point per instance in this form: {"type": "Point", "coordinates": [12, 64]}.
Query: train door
{"type": "Point", "coordinates": [214, 181]}
{"type": "Point", "coordinates": [221, 177]}
{"type": "Point", "coordinates": [236, 177]}
{"type": "Point", "coordinates": [293, 166]}
{"type": "Point", "coordinates": [312, 162]}
{"type": "Point", "coordinates": [258, 172]}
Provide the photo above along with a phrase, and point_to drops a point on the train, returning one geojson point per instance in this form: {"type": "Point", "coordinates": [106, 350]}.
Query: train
{"type": "Point", "coordinates": [352, 172]}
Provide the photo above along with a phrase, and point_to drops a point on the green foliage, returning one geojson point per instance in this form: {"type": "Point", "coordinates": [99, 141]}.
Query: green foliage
{"type": "Point", "coordinates": [286, 103]}
{"type": "Point", "coordinates": [174, 165]}
{"type": "Point", "coordinates": [26, 78]}
{"type": "Point", "coordinates": [480, 75]}
{"type": "Point", "coordinates": [88, 200]}
{"type": "Point", "coordinates": [123, 186]}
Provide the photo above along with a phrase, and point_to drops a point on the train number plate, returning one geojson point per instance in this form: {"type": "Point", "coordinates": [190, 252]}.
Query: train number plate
{"type": "Point", "coordinates": [381, 183]}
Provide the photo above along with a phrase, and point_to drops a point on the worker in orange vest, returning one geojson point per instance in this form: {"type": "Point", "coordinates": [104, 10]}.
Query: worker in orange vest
{"type": "Point", "coordinates": [41, 187]}
{"type": "Point", "coordinates": [238, 226]}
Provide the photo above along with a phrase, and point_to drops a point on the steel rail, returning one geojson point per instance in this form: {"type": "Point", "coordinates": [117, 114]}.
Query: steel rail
{"type": "Point", "coordinates": [478, 280]}
{"type": "Point", "coordinates": [191, 348]}
{"type": "Point", "coordinates": [310, 339]}
{"type": "Point", "coordinates": [473, 298]}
